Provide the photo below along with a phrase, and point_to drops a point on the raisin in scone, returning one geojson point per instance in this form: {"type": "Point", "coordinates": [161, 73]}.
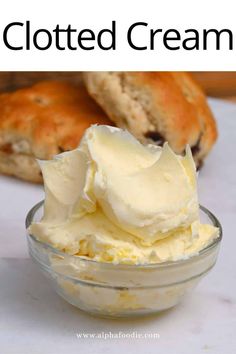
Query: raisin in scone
{"type": "Point", "coordinates": [41, 121]}
{"type": "Point", "coordinates": [157, 107]}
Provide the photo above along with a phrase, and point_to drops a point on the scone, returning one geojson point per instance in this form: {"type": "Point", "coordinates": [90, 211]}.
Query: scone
{"type": "Point", "coordinates": [41, 121]}
{"type": "Point", "coordinates": [156, 107]}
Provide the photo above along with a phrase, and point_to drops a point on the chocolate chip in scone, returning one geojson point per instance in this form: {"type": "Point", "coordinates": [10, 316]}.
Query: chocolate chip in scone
{"type": "Point", "coordinates": [155, 136]}
{"type": "Point", "coordinates": [7, 148]}
{"type": "Point", "coordinates": [196, 148]}
{"type": "Point", "coordinates": [40, 100]}
{"type": "Point", "coordinates": [60, 149]}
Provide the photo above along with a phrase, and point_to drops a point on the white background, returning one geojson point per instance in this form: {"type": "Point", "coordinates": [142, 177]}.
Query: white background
{"type": "Point", "coordinates": [181, 14]}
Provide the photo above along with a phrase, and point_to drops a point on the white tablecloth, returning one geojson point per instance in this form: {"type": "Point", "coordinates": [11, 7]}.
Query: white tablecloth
{"type": "Point", "coordinates": [33, 319]}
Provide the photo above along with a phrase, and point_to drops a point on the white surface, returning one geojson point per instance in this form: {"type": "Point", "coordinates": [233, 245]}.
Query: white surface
{"type": "Point", "coordinates": [33, 319]}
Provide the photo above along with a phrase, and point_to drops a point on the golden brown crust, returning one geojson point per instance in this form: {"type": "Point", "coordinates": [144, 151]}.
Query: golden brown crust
{"type": "Point", "coordinates": [156, 106]}
{"type": "Point", "coordinates": [194, 94]}
{"type": "Point", "coordinates": [41, 121]}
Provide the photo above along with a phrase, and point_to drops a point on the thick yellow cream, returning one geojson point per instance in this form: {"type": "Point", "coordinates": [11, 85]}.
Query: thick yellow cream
{"type": "Point", "coordinates": [115, 200]}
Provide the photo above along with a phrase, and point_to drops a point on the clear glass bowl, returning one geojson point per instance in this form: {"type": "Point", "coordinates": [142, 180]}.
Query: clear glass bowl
{"type": "Point", "coordinates": [121, 290]}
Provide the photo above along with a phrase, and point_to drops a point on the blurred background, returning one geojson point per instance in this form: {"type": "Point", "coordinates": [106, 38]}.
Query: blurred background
{"type": "Point", "coordinates": [218, 84]}
{"type": "Point", "coordinates": [215, 84]}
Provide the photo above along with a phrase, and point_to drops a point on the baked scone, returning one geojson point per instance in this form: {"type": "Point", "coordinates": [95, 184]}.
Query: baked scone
{"type": "Point", "coordinates": [41, 121]}
{"type": "Point", "coordinates": [157, 107]}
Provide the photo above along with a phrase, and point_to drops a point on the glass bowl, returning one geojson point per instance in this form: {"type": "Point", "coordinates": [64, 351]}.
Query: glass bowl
{"type": "Point", "coordinates": [120, 290]}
